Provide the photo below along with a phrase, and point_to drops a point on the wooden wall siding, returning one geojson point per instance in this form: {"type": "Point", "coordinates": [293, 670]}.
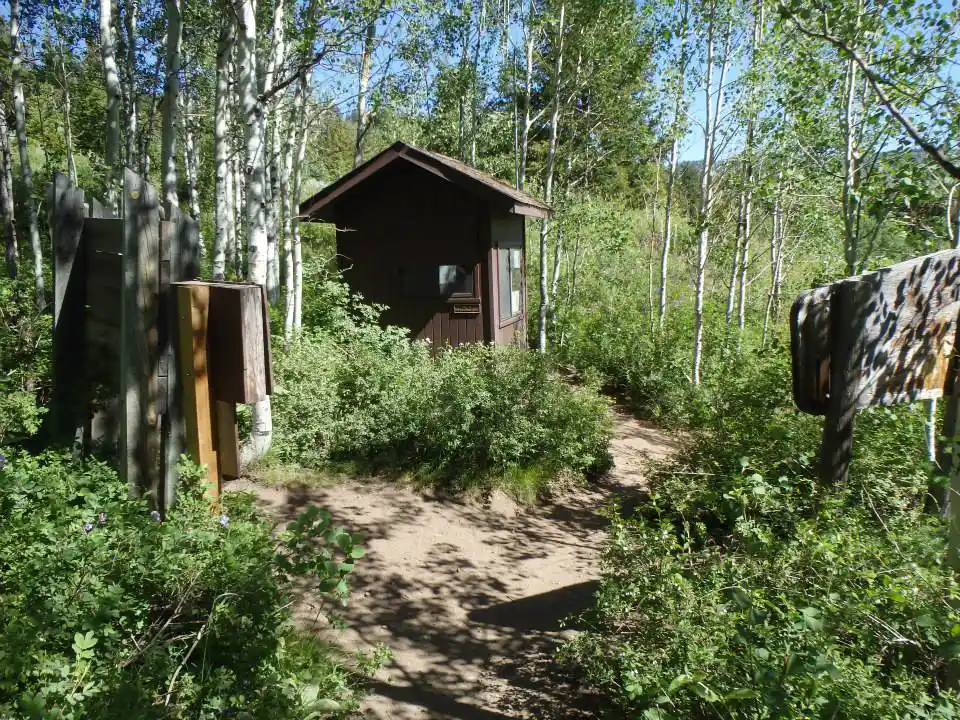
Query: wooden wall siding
{"type": "Point", "coordinates": [405, 216]}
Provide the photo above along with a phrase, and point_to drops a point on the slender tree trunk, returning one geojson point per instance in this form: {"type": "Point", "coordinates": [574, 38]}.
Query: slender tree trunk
{"type": "Point", "coordinates": [171, 95]}
{"type": "Point", "coordinates": [191, 164]}
{"type": "Point", "coordinates": [224, 213]}
{"type": "Point", "coordinates": [273, 123]}
{"type": "Point", "coordinates": [67, 114]}
{"type": "Point", "coordinates": [706, 184]}
{"type": "Point", "coordinates": [301, 141]}
{"type": "Point", "coordinates": [363, 85]}
{"type": "Point", "coordinates": [256, 446]}
{"type": "Point", "coordinates": [130, 23]}
{"type": "Point", "coordinates": [735, 264]}
{"type": "Point", "coordinates": [26, 172]}
{"type": "Point", "coordinates": [475, 86]}
{"type": "Point", "coordinates": [291, 204]}
{"type": "Point", "coordinates": [849, 199]}
{"type": "Point", "coordinates": [465, 14]}
{"type": "Point", "coordinates": [111, 82]}
{"type": "Point", "coordinates": [6, 197]}
{"type": "Point", "coordinates": [745, 228]}
{"type": "Point", "coordinates": [548, 187]}
{"type": "Point", "coordinates": [678, 111]}
{"type": "Point", "coordinates": [527, 100]}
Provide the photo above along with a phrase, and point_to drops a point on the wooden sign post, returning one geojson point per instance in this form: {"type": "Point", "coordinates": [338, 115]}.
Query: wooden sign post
{"type": "Point", "coordinates": [224, 352]}
{"type": "Point", "coordinates": [882, 338]}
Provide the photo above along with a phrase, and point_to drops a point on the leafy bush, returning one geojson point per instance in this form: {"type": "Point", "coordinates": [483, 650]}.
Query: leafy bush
{"type": "Point", "coordinates": [350, 391]}
{"type": "Point", "coordinates": [107, 612]}
{"type": "Point", "coordinates": [844, 619]}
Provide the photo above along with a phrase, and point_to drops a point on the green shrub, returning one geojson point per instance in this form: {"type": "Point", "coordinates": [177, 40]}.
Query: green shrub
{"type": "Point", "coordinates": [351, 392]}
{"type": "Point", "coordinates": [106, 612]}
{"type": "Point", "coordinates": [845, 619]}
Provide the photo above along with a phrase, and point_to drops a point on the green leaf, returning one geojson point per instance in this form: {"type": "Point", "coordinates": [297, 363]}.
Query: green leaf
{"type": "Point", "coordinates": [678, 682]}
{"type": "Point", "coordinates": [741, 694]}
{"type": "Point", "coordinates": [704, 692]}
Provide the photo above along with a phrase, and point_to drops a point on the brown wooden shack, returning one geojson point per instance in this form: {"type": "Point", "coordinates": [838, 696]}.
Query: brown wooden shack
{"type": "Point", "coordinates": [437, 241]}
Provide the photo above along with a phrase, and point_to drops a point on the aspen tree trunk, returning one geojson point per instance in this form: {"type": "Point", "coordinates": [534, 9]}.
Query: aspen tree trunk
{"type": "Point", "coordinates": [190, 163]}
{"type": "Point", "coordinates": [363, 85]}
{"type": "Point", "coordinates": [527, 98]}
{"type": "Point", "coordinates": [67, 112]}
{"type": "Point", "coordinates": [475, 85]}
{"type": "Point", "coordinates": [747, 198]}
{"type": "Point", "coordinates": [26, 172]}
{"type": "Point", "coordinates": [735, 263]}
{"type": "Point", "coordinates": [273, 123]}
{"type": "Point", "coordinates": [674, 159]}
{"type": "Point", "coordinates": [111, 82]}
{"type": "Point", "coordinates": [297, 188]}
{"type": "Point", "coordinates": [130, 23]}
{"type": "Point", "coordinates": [224, 211]}
{"type": "Point", "coordinates": [548, 187]}
{"type": "Point", "coordinates": [848, 197]}
{"type": "Point", "coordinates": [6, 198]}
{"type": "Point", "coordinates": [171, 95]}
{"type": "Point", "coordinates": [465, 15]}
{"type": "Point", "coordinates": [256, 446]}
{"type": "Point", "coordinates": [706, 183]}
{"type": "Point", "coordinates": [290, 191]}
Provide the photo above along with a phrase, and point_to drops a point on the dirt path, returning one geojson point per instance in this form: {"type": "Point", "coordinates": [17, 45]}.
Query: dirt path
{"type": "Point", "coordinates": [469, 596]}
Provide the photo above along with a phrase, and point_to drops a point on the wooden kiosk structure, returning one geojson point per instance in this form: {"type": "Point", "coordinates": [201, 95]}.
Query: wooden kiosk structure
{"type": "Point", "coordinates": [134, 340]}
{"type": "Point", "coordinates": [437, 241]}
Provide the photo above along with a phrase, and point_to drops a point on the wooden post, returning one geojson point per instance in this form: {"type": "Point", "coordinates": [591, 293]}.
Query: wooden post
{"type": "Point", "coordinates": [193, 313]}
{"type": "Point", "coordinates": [68, 403]}
{"type": "Point", "coordinates": [836, 450]}
{"type": "Point", "coordinates": [228, 443]}
{"type": "Point", "coordinates": [139, 338]}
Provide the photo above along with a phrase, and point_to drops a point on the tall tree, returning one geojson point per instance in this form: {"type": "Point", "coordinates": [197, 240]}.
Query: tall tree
{"type": "Point", "coordinates": [111, 82]}
{"type": "Point", "coordinates": [171, 97]}
{"type": "Point", "coordinates": [224, 213]}
{"type": "Point", "coordinates": [548, 181]}
{"type": "Point", "coordinates": [256, 446]}
{"type": "Point", "coordinates": [26, 171]}
{"type": "Point", "coordinates": [6, 197]}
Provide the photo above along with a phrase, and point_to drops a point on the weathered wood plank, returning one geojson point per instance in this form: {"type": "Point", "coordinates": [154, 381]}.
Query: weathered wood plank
{"type": "Point", "coordinates": [908, 313]}
{"type": "Point", "coordinates": [103, 235]}
{"type": "Point", "coordinates": [69, 398]}
{"type": "Point", "coordinates": [239, 357]}
{"type": "Point", "coordinates": [103, 304]}
{"type": "Point", "coordinates": [228, 442]}
{"type": "Point", "coordinates": [140, 436]}
{"type": "Point", "coordinates": [193, 312]}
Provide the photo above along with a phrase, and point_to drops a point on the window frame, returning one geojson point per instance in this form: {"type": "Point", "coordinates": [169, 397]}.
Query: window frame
{"type": "Point", "coordinates": [505, 320]}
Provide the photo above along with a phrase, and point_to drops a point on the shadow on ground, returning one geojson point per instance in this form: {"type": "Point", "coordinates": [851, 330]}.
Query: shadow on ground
{"type": "Point", "coordinates": [472, 598]}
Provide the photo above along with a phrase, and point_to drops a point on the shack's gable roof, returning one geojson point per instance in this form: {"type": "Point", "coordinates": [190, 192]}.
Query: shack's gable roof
{"type": "Point", "coordinates": [321, 205]}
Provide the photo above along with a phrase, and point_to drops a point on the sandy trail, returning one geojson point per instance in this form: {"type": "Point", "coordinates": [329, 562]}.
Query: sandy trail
{"type": "Point", "coordinates": [470, 596]}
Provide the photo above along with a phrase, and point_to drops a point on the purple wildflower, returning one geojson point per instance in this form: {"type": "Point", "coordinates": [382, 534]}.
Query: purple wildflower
{"type": "Point", "coordinates": [224, 520]}
{"type": "Point", "coordinates": [155, 515]}
{"type": "Point", "coordinates": [3, 461]}
{"type": "Point", "coordinates": [88, 528]}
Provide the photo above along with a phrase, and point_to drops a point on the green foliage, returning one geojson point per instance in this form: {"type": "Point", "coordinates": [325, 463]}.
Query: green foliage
{"type": "Point", "coordinates": [350, 391]}
{"type": "Point", "coordinates": [108, 612]}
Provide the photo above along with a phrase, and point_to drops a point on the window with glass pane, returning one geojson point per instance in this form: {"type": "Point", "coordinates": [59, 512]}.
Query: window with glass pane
{"type": "Point", "coordinates": [435, 281]}
{"type": "Point", "coordinates": [511, 282]}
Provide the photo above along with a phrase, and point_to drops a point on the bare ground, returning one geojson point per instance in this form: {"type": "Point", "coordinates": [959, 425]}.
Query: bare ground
{"type": "Point", "coordinates": [470, 596]}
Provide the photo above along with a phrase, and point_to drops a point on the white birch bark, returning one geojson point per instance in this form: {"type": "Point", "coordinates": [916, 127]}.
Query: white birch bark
{"type": "Point", "coordinates": [67, 115]}
{"type": "Point", "coordinates": [527, 98]}
{"type": "Point", "coordinates": [712, 116]}
{"type": "Point", "coordinates": [6, 198]}
{"type": "Point", "coordinates": [111, 83]}
{"type": "Point", "coordinates": [548, 187]}
{"type": "Point", "coordinates": [291, 204]}
{"type": "Point", "coordinates": [849, 197]}
{"type": "Point", "coordinates": [256, 446]}
{"type": "Point", "coordinates": [297, 189]}
{"type": "Point", "coordinates": [363, 85]}
{"type": "Point", "coordinates": [224, 211]}
{"type": "Point", "coordinates": [190, 163]}
{"type": "Point", "coordinates": [747, 198]}
{"type": "Point", "coordinates": [678, 112]}
{"type": "Point", "coordinates": [171, 95]}
{"type": "Point", "coordinates": [274, 122]}
{"type": "Point", "coordinates": [130, 23]}
{"type": "Point", "coordinates": [475, 85]}
{"type": "Point", "coordinates": [26, 171]}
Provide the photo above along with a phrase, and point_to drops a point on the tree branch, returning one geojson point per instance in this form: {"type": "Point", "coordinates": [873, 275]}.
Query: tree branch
{"type": "Point", "coordinates": [876, 81]}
